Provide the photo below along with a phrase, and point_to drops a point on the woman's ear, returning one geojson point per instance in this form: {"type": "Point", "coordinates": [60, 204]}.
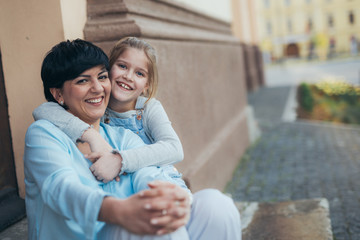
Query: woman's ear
{"type": "Point", "coordinates": [56, 92]}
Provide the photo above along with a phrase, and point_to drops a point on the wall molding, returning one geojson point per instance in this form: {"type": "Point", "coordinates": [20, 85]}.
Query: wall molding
{"type": "Point", "coordinates": [110, 20]}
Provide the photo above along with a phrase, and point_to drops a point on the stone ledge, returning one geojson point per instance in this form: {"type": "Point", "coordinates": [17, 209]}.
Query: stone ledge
{"type": "Point", "coordinates": [295, 220]}
{"type": "Point", "coordinates": [110, 20]}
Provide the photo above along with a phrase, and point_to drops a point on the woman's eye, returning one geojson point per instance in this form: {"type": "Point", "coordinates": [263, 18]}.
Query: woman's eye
{"type": "Point", "coordinates": [103, 77]}
{"type": "Point", "coordinates": [81, 81]}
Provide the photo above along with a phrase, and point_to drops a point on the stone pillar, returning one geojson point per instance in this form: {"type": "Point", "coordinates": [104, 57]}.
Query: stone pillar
{"type": "Point", "coordinates": [254, 69]}
{"type": "Point", "coordinates": [259, 66]}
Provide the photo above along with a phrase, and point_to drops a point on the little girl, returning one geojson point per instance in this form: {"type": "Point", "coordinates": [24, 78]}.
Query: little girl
{"type": "Point", "coordinates": [134, 77]}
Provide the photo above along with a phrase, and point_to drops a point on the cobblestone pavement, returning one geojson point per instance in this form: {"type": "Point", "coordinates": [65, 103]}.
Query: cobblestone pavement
{"type": "Point", "coordinates": [300, 160]}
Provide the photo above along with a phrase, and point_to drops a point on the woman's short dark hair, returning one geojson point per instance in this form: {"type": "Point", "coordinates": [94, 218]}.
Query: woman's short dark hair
{"type": "Point", "coordinates": [67, 60]}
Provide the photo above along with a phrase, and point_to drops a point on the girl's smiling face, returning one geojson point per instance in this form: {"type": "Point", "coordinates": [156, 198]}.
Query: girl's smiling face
{"type": "Point", "coordinates": [129, 78]}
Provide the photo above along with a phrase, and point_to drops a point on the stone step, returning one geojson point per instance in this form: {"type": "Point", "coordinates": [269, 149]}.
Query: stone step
{"type": "Point", "coordinates": [12, 208]}
{"type": "Point", "coordinates": [291, 220]}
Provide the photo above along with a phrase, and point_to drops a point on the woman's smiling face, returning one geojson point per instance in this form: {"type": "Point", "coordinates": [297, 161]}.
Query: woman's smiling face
{"type": "Point", "coordinates": [87, 95]}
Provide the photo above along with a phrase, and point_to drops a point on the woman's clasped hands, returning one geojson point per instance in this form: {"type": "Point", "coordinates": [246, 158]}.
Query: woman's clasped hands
{"type": "Point", "coordinates": [170, 204]}
{"type": "Point", "coordinates": [162, 209]}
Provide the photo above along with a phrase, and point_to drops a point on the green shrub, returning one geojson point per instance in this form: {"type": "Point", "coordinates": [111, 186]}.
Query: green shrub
{"type": "Point", "coordinates": [340, 90]}
{"type": "Point", "coordinates": [352, 115]}
{"type": "Point", "coordinates": [329, 100]}
{"type": "Point", "coordinates": [305, 97]}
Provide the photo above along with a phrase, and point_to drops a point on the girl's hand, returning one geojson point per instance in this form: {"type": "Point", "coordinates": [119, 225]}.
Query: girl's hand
{"type": "Point", "coordinates": [107, 165]}
{"type": "Point", "coordinates": [96, 141]}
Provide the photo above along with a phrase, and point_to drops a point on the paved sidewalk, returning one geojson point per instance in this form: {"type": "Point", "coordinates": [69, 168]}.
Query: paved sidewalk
{"type": "Point", "coordinates": [301, 160]}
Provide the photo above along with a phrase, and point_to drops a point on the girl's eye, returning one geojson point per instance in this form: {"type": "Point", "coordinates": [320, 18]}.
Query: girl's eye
{"type": "Point", "coordinates": [140, 74]}
{"type": "Point", "coordinates": [122, 66]}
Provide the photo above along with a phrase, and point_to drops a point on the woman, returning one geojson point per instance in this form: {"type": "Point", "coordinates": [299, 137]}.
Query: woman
{"type": "Point", "coordinates": [64, 200]}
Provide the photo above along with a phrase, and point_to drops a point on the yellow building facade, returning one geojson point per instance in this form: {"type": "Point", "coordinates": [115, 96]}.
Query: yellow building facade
{"type": "Point", "coordinates": [307, 28]}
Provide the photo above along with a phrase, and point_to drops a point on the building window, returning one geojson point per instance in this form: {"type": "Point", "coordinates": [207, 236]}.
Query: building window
{"type": "Point", "coordinates": [287, 2]}
{"type": "Point", "coordinates": [268, 28]}
{"type": "Point", "coordinates": [289, 25]}
{"type": "Point", "coordinates": [351, 18]}
{"type": "Point", "coordinates": [330, 21]}
{"type": "Point", "coordinates": [308, 1]}
{"type": "Point", "coordinates": [267, 3]}
{"type": "Point", "coordinates": [309, 24]}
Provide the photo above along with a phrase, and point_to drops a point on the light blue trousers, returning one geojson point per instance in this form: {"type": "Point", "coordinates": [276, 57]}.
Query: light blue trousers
{"type": "Point", "coordinates": [213, 217]}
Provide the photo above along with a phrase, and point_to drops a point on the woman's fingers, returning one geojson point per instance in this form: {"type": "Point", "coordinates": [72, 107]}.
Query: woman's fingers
{"type": "Point", "coordinates": [169, 189]}
{"type": "Point", "coordinates": [168, 224]}
{"type": "Point", "coordinates": [161, 221]}
{"type": "Point", "coordinates": [158, 204]}
{"type": "Point", "coordinates": [156, 183]}
{"type": "Point", "coordinates": [149, 193]}
{"type": "Point", "coordinates": [179, 212]}
{"type": "Point", "coordinates": [173, 226]}
{"type": "Point", "coordinates": [157, 192]}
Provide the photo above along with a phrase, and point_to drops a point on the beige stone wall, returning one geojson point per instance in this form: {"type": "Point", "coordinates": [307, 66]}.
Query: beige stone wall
{"type": "Point", "coordinates": [203, 90]}
{"type": "Point", "coordinates": [27, 30]}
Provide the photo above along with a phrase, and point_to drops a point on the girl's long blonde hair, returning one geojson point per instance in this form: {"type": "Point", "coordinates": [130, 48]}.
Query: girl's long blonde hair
{"type": "Point", "coordinates": [134, 42]}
